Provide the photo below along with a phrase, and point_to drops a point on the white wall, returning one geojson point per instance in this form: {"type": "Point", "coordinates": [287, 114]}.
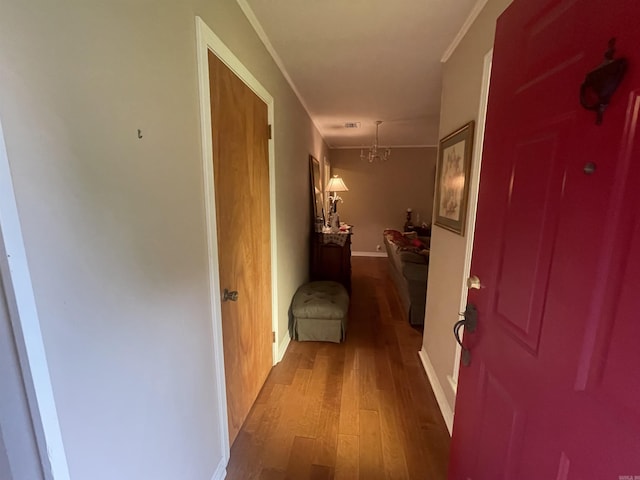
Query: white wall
{"type": "Point", "coordinates": [461, 91]}
{"type": "Point", "coordinates": [114, 225]}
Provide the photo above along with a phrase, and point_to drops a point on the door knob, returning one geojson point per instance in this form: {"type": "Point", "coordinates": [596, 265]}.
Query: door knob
{"type": "Point", "coordinates": [473, 282]}
{"type": "Point", "coordinates": [228, 296]}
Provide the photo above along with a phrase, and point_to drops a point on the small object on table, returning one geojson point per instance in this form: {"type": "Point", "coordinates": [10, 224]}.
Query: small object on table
{"type": "Point", "coordinates": [408, 225]}
{"type": "Point", "coordinates": [334, 222]}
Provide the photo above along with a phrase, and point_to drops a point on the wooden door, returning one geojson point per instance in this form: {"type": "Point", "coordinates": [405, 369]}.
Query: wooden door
{"type": "Point", "coordinates": [239, 125]}
{"type": "Point", "coordinates": [553, 391]}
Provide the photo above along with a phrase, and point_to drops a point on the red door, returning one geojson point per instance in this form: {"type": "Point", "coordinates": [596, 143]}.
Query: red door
{"type": "Point", "coordinates": [553, 389]}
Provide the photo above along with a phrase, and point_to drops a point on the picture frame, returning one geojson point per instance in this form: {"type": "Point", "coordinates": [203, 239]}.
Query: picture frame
{"type": "Point", "coordinates": [452, 179]}
{"type": "Point", "coordinates": [317, 192]}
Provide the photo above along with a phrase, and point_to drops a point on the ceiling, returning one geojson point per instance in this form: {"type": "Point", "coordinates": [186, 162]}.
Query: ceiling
{"type": "Point", "coordinates": [362, 61]}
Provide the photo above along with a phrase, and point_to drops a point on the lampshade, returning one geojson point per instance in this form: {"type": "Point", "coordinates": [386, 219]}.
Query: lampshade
{"type": "Point", "coordinates": [336, 184]}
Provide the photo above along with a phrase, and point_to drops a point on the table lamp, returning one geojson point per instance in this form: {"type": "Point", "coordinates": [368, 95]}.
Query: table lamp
{"type": "Point", "coordinates": [336, 184]}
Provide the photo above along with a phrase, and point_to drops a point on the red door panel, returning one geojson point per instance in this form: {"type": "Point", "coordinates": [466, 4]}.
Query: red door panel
{"type": "Point", "coordinates": [552, 391]}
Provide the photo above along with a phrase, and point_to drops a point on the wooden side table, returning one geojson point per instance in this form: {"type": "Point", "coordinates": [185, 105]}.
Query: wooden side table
{"type": "Point", "coordinates": [331, 258]}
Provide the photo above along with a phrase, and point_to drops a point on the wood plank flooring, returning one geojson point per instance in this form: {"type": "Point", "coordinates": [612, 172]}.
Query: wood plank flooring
{"type": "Point", "coordinates": [362, 409]}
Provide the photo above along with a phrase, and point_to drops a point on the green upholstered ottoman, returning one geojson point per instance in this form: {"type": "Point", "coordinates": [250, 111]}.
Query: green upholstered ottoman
{"type": "Point", "coordinates": [320, 312]}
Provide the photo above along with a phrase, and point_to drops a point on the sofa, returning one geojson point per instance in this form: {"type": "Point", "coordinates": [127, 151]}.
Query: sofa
{"type": "Point", "coordinates": [409, 266]}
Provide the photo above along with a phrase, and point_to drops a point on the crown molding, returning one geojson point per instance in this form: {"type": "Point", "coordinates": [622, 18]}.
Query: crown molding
{"type": "Point", "coordinates": [262, 35]}
{"type": "Point", "coordinates": [475, 11]}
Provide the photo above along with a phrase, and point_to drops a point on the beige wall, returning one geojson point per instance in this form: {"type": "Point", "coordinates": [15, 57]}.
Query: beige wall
{"type": "Point", "coordinates": [114, 225]}
{"type": "Point", "coordinates": [380, 193]}
{"type": "Point", "coordinates": [462, 82]}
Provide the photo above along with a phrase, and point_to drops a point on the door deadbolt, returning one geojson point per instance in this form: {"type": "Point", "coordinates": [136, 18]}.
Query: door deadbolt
{"type": "Point", "coordinates": [469, 322]}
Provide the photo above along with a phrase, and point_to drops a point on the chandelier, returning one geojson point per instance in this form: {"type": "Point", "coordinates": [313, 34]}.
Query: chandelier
{"type": "Point", "coordinates": [376, 153]}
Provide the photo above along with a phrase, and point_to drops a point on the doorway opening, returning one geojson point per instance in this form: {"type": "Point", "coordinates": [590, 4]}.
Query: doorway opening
{"type": "Point", "coordinates": [208, 42]}
{"type": "Point", "coordinates": [473, 203]}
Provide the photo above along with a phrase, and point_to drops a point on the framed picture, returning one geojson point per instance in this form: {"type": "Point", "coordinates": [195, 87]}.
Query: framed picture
{"type": "Point", "coordinates": [317, 192]}
{"type": "Point", "coordinates": [452, 180]}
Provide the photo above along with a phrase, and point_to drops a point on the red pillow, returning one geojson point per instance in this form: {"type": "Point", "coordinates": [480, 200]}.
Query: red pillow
{"type": "Point", "coordinates": [418, 244]}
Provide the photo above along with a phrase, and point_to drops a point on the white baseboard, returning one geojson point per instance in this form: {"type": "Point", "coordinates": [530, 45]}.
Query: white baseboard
{"type": "Point", "coordinates": [282, 348]}
{"type": "Point", "coordinates": [221, 470]}
{"type": "Point", "coordinates": [445, 408]}
{"type": "Point", "coordinates": [368, 254]}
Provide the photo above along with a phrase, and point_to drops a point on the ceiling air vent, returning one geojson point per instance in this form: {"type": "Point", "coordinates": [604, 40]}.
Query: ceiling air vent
{"type": "Point", "coordinates": [352, 125]}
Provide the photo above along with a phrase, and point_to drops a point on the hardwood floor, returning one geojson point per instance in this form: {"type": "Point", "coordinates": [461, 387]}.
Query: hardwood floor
{"type": "Point", "coordinates": [361, 409]}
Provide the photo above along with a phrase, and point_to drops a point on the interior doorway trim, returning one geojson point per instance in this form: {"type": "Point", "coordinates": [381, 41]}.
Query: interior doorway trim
{"type": "Point", "coordinates": [208, 41]}
{"type": "Point", "coordinates": [473, 202]}
{"type": "Point", "coordinates": [25, 324]}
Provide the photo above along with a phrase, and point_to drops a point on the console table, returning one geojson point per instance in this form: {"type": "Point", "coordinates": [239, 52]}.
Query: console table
{"type": "Point", "coordinates": [331, 257]}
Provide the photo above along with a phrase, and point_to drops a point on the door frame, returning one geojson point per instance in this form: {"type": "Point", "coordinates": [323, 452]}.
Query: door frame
{"type": "Point", "coordinates": [25, 324]}
{"type": "Point", "coordinates": [209, 41]}
{"type": "Point", "coordinates": [473, 208]}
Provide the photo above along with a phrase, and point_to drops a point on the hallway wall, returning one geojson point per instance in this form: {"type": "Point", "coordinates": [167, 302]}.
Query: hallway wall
{"type": "Point", "coordinates": [114, 225]}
